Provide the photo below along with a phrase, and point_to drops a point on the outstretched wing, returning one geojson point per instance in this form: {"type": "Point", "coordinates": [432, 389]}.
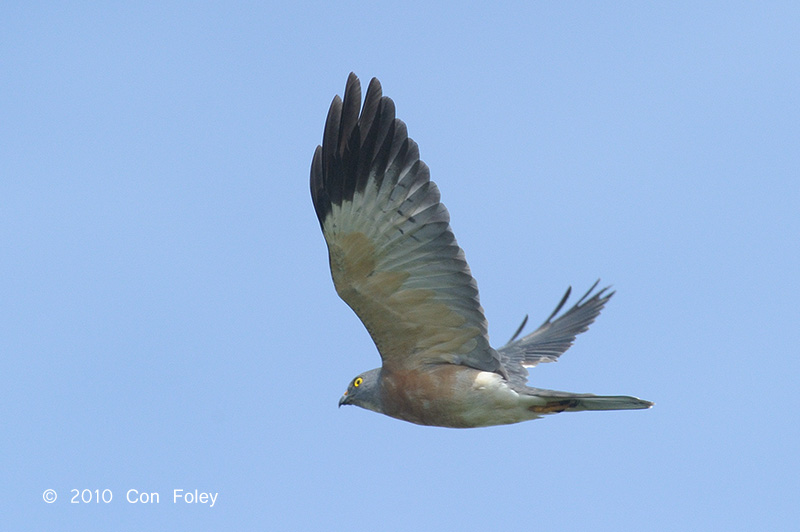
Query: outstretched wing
{"type": "Point", "coordinates": [392, 254]}
{"type": "Point", "coordinates": [552, 338]}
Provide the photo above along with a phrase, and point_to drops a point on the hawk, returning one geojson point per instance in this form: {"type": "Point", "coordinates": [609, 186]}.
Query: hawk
{"type": "Point", "coordinates": [395, 261]}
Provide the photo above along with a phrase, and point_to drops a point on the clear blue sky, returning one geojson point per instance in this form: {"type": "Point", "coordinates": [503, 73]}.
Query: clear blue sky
{"type": "Point", "coordinates": [168, 320]}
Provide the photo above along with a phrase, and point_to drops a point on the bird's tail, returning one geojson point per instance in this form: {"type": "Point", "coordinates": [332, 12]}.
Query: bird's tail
{"type": "Point", "coordinates": [551, 402]}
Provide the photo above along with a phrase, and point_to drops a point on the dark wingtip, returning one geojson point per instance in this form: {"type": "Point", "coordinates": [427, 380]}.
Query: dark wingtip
{"type": "Point", "coordinates": [560, 305]}
{"type": "Point", "coordinates": [375, 84]}
{"type": "Point", "coordinates": [361, 142]}
{"type": "Point", "coordinates": [519, 329]}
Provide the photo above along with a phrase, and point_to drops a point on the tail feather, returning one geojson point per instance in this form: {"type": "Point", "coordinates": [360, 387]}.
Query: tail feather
{"type": "Point", "coordinates": [555, 402]}
{"type": "Point", "coordinates": [612, 402]}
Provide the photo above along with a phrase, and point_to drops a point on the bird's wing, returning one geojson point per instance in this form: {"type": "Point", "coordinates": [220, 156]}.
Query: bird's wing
{"type": "Point", "coordinates": [553, 337]}
{"type": "Point", "coordinates": [392, 254]}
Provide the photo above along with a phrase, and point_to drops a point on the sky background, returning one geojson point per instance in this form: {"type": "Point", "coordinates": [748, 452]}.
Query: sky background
{"type": "Point", "coordinates": [167, 317]}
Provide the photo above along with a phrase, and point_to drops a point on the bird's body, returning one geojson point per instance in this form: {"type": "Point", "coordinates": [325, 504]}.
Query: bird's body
{"type": "Point", "coordinates": [447, 395]}
{"type": "Point", "coordinates": [463, 398]}
{"type": "Point", "coordinates": [395, 261]}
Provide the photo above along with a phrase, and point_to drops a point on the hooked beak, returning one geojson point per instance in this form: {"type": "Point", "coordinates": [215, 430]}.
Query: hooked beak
{"type": "Point", "coordinates": [343, 400]}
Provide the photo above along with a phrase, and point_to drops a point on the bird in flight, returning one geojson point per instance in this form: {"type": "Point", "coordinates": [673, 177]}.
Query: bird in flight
{"type": "Point", "coordinates": [395, 261]}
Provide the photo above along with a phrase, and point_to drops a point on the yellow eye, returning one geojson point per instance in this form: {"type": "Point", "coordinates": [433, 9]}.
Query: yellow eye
{"type": "Point", "coordinates": [358, 382]}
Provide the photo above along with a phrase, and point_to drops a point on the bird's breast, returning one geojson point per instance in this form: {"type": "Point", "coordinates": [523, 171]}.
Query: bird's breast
{"type": "Point", "coordinates": [449, 395]}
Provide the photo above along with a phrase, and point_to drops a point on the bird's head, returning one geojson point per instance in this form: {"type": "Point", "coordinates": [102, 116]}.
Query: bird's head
{"type": "Point", "coordinates": [364, 391]}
